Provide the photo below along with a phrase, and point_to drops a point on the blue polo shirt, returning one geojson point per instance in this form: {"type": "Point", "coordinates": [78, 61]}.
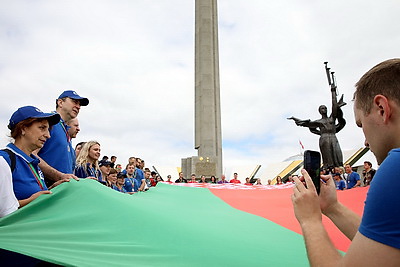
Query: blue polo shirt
{"type": "Point", "coordinates": [139, 176]}
{"type": "Point", "coordinates": [352, 179]}
{"type": "Point", "coordinates": [129, 184]}
{"type": "Point", "coordinates": [340, 185]}
{"type": "Point", "coordinates": [117, 189]}
{"type": "Point", "coordinates": [25, 183]}
{"type": "Point", "coordinates": [58, 151]}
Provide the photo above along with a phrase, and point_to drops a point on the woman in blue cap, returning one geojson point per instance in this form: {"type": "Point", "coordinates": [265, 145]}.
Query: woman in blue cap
{"type": "Point", "coordinates": [30, 129]}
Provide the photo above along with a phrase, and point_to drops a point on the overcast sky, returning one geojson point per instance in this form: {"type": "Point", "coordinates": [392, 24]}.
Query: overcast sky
{"type": "Point", "coordinates": [134, 60]}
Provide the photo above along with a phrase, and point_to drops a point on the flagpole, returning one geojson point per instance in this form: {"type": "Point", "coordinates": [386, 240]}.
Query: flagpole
{"type": "Point", "coordinates": [301, 147]}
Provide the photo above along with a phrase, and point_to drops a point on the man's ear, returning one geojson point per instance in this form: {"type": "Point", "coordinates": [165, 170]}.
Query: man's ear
{"type": "Point", "coordinates": [382, 105]}
{"type": "Point", "coordinates": [60, 102]}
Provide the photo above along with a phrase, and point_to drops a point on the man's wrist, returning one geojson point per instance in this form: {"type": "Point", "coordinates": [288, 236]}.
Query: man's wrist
{"type": "Point", "coordinates": [332, 210]}
{"type": "Point", "coordinates": [310, 222]}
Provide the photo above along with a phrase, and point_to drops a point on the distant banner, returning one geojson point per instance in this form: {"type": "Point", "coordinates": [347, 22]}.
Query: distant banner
{"type": "Point", "coordinates": [235, 186]}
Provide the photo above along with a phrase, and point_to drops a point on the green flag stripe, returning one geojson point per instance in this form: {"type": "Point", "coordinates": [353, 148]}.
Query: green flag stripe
{"type": "Point", "coordinates": [84, 223]}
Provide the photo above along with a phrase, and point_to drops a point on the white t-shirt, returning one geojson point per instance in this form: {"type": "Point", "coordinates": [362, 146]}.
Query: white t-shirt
{"type": "Point", "coordinates": [8, 201]}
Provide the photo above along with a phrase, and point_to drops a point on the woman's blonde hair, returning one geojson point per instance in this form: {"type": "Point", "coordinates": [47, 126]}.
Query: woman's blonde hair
{"type": "Point", "coordinates": [82, 159]}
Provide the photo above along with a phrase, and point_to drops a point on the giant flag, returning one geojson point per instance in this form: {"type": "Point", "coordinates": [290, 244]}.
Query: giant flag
{"type": "Point", "coordinates": [83, 223]}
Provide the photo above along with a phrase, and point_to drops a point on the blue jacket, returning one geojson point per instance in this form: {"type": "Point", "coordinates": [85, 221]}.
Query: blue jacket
{"type": "Point", "coordinates": [24, 178]}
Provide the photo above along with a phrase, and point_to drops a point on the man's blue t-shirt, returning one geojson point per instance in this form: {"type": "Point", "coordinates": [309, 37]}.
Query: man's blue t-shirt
{"type": "Point", "coordinates": [139, 176]}
{"type": "Point", "coordinates": [117, 189]}
{"type": "Point", "coordinates": [381, 217]}
{"type": "Point", "coordinates": [352, 179]}
{"type": "Point", "coordinates": [129, 184]}
{"type": "Point", "coordinates": [27, 177]}
{"type": "Point", "coordinates": [58, 151]}
{"type": "Point", "coordinates": [340, 185]}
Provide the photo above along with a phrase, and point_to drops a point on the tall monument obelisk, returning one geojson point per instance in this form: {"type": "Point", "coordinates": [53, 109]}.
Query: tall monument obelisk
{"type": "Point", "coordinates": [208, 140]}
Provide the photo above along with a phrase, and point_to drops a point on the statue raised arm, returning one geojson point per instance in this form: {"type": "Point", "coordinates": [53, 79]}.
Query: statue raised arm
{"type": "Point", "coordinates": [312, 126]}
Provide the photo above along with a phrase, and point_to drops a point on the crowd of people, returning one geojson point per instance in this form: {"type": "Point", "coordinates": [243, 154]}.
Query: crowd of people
{"type": "Point", "coordinates": [213, 179]}
{"type": "Point", "coordinates": [344, 177]}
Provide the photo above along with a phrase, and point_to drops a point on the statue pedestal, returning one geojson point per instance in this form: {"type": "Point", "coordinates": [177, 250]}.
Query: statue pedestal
{"type": "Point", "coordinates": [206, 166]}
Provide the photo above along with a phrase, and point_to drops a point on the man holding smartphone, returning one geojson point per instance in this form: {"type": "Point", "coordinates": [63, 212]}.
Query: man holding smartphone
{"type": "Point", "coordinates": [376, 236]}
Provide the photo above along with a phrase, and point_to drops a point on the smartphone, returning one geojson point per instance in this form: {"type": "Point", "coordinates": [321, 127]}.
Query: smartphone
{"type": "Point", "coordinates": [312, 164]}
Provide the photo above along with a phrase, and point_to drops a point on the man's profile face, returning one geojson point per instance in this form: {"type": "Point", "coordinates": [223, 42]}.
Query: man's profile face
{"type": "Point", "coordinates": [74, 128]}
{"type": "Point", "coordinates": [70, 106]}
{"type": "Point", "coordinates": [374, 139]}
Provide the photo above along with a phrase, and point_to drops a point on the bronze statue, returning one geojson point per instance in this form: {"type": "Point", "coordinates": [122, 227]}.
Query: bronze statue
{"type": "Point", "coordinates": [327, 127]}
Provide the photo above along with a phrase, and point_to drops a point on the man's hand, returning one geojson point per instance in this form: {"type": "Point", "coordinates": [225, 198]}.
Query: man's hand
{"type": "Point", "coordinates": [59, 182]}
{"type": "Point", "coordinates": [328, 195]}
{"type": "Point", "coordinates": [68, 176]}
{"type": "Point", "coordinates": [305, 200]}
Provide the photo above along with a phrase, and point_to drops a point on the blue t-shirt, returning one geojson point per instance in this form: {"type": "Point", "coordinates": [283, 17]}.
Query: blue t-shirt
{"type": "Point", "coordinates": [139, 176]}
{"type": "Point", "coordinates": [133, 184]}
{"type": "Point", "coordinates": [58, 151]}
{"type": "Point", "coordinates": [129, 184]}
{"type": "Point", "coordinates": [352, 179]}
{"type": "Point", "coordinates": [117, 189]}
{"type": "Point", "coordinates": [340, 185]}
{"type": "Point", "coordinates": [381, 217]}
{"type": "Point", "coordinates": [24, 178]}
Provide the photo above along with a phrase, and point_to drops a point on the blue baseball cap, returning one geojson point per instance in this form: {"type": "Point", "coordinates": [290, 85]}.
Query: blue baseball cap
{"type": "Point", "coordinates": [29, 112]}
{"type": "Point", "coordinates": [72, 94]}
{"type": "Point", "coordinates": [104, 163]}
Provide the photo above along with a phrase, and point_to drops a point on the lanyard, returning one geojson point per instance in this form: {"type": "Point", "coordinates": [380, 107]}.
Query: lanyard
{"type": "Point", "coordinates": [66, 132]}
{"type": "Point", "coordinates": [37, 177]}
{"type": "Point", "coordinates": [92, 171]}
